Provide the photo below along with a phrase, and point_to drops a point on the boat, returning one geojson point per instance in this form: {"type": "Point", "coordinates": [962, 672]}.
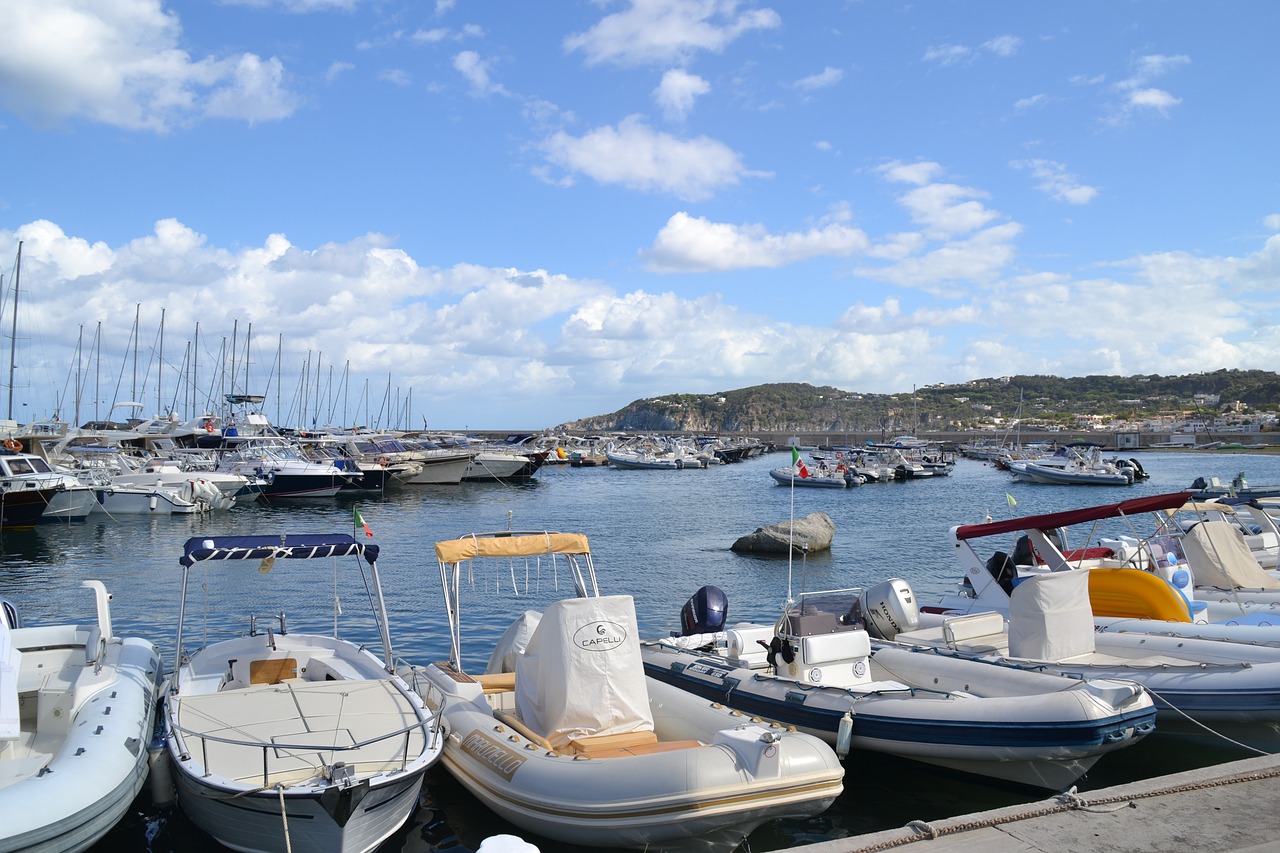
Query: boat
{"type": "Point", "coordinates": [809, 479]}
{"type": "Point", "coordinates": [1200, 686]}
{"type": "Point", "coordinates": [24, 506]}
{"type": "Point", "coordinates": [1136, 585]}
{"type": "Point", "coordinates": [70, 499]}
{"type": "Point", "coordinates": [1075, 464]}
{"type": "Point", "coordinates": [563, 736]}
{"type": "Point", "coordinates": [642, 460]}
{"type": "Point", "coordinates": [815, 669]}
{"type": "Point", "coordinates": [286, 471]}
{"type": "Point", "coordinates": [77, 712]}
{"type": "Point", "coordinates": [284, 740]}
{"type": "Point", "coordinates": [1207, 489]}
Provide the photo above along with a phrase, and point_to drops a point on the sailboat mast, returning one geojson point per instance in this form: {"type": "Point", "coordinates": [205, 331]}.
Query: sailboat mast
{"type": "Point", "coordinates": [13, 336]}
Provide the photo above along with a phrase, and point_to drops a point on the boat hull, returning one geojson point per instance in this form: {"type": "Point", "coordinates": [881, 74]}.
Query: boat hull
{"type": "Point", "coordinates": [1025, 728]}
{"type": "Point", "coordinates": [89, 783]}
{"type": "Point", "coordinates": [689, 797]}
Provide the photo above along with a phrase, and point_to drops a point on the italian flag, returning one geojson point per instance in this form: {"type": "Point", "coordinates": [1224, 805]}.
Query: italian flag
{"type": "Point", "coordinates": [360, 524]}
{"type": "Point", "coordinates": [798, 463]}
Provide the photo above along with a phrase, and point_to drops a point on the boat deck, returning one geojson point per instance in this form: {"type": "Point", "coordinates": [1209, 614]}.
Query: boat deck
{"type": "Point", "coordinates": [289, 732]}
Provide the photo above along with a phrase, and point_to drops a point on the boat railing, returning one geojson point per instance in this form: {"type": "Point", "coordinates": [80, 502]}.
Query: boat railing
{"type": "Point", "coordinates": [430, 727]}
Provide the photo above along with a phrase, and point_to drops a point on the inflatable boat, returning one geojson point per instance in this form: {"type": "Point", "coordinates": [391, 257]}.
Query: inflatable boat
{"type": "Point", "coordinates": [77, 711]}
{"type": "Point", "coordinates": [564, 737]}
{"type": "Point", "coordinates": [816, 670]}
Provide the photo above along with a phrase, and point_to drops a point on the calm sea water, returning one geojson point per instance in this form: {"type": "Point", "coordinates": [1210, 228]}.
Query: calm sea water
{"type": "Point", "coordinates": [656, 535]}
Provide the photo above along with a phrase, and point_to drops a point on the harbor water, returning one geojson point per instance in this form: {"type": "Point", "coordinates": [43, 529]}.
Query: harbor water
{"type": "Point", "coordinates": [655, 535]}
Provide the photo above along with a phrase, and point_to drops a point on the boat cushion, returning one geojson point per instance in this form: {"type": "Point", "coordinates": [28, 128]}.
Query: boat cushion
{"type": "Point", "coordinates": [972, 626]}
{"type": "Point", "coordinates": [497, 682]}
{"type": "Point", "coordinates": [272, 670]}
{"type": "Point", "coordinates": [826, 648]}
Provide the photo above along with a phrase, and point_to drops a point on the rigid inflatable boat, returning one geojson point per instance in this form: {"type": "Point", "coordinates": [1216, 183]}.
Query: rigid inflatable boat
{"type": "Point", "coordinates": [817, 670]}
{"type": "Point", "coordinates": [564, 737]}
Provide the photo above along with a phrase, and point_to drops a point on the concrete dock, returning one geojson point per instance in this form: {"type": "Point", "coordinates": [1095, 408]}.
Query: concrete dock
{"type": "Point", "coordinates": [1218, 809]}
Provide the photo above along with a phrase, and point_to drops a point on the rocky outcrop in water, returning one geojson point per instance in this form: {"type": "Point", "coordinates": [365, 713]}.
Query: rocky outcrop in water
{"type": "Point", "coordinates": [814, 532]}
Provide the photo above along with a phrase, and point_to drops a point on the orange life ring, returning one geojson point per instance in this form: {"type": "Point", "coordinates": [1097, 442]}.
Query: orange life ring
{"type": "Point", "coordinates": [382, 460]}
{"type": "Point", "coordinates": [208, 427]}
{"type": "Point", "coordinates": [12, 445]}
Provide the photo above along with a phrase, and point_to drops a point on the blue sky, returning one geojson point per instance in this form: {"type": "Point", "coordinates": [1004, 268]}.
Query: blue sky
{"type": "Point", "coordinates": [517, 214]}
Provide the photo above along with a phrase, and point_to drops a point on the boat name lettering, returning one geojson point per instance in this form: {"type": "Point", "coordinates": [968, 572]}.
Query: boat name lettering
{"type": "Point", "coordinates": [710, 670]}
{"type": "Point", "coordinates": [600, 636]}
{"type": "Point", "coordinates": [488, 751]}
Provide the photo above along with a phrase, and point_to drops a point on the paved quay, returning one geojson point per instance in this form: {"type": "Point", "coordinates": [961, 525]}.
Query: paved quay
{"type": "Point", "coordinates": [1219, 809]}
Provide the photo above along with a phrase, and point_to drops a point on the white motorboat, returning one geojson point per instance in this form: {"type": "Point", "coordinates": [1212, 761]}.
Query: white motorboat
{"type": "Point", "coordinates": [77, 712]}
{"type": "Point", "coordinates": [1079, 464]}
{"type": "Point", "coordinates": [816, 670]}
{"type": "Point", "coordinates": [287, 472]}
{"type": "Point", "coordinates": [1199, 582]}
{"type": "Point", "coordinates": [564, 737]}
{"type": "Point", "coordinates": [284, 741]}
{"type": "Point", "coordinates": [1233, 687]}
{"type": "Point", "coordinates": [805, 478]}
{"type": "Point", "coordinates": [71, 500]}
{"type": "Point", "coordinates": [491, 464]}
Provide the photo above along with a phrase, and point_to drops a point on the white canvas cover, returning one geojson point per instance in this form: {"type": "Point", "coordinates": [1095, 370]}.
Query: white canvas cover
{"type": "Point", "coordinates": [1050, 617]}
{"type": "Point", "coordinates": [10, 666]}
{"type": "Point", "coordinates": [1218, 556]}
{"type": "Point", "coordinates": [581, 674]}
{"type": "Point", "coordinates": [513, 641]}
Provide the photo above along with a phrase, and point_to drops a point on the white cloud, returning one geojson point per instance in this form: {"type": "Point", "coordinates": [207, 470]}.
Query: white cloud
{"type": "Point", "coordinates": [1272, 221]}
{"type": "Point", "coordinates": [476, 71]}
{"type": "Point", "coordinates": [122, 64]}
{"type": "Point", "coordinates": [947, 54]}
{"type": "Point", "coordinates": [395, 76]}
{"type": "Point", "coordinates": [667, 31]}
{"type": "Point", "coordinates": [1003, 46]}
{"type": "Point", "coordinates": [677, 92]}
{"type": "Point", "coordinates": [912, 173]}
{"type": "Point", "coordinates": [1037, 100]}
{"type": "Point", "coordinates": [975, 261]}
{"type": "Point", "coordinates": [947, 209]}
{"type": "Point", "coordinates": [695, 244]}
{"type": "Point", "coordinates": [634, 155]}
{"type": "Point", "coordinates": [1136, 90]}
{"type": "Point", "coordinates": [336, 70]}
{"type": "Point", "coordinates": [1057, 182]}
{"type": "Point", "coordinates": [826, 77]}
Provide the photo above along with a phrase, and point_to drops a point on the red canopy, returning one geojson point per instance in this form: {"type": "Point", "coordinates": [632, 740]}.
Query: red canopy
{"type": "Point", "coordinates": [1134, 506]}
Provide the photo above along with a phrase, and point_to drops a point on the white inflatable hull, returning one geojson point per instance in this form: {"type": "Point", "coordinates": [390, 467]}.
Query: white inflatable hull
{"type": "Point", "coordinates": [700, 797]}
{"type": "Point", "coordinates": [1024, 727]}
{"type": "Point", "coordinates": [68, 799]}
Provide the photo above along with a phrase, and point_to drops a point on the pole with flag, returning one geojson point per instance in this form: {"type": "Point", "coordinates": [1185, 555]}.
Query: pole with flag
{"type": "Point", "coordinates": [798, 463]}
{"type": "Point", "coordinates": [361, 524]}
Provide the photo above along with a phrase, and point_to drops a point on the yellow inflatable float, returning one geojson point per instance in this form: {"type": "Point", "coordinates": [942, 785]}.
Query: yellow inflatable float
{"type": "Point", "coordinates": [1136, 594]}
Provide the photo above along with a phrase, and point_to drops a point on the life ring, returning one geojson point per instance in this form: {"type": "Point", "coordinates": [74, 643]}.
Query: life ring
{"type": "Point", "coordinates": [382, 460]}
{"type": "Point", "coordinates": [208, 427]}
{"type": "Point", "coordinates": [12, 444]}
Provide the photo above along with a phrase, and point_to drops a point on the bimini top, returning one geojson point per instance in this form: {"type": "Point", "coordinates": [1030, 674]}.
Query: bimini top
{"type": "Point", "coordinates": [510, 544]}
{"type": "Point", "coordinates": [301, 546]}
{"type": "Point", "coordinates": [1069, 517]}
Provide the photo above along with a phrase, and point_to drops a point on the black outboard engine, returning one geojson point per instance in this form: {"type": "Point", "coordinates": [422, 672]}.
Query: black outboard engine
{"type": "Point", "coordinates": [1023, 553]}
{"type": "Point", "coordinates": [705, 612]}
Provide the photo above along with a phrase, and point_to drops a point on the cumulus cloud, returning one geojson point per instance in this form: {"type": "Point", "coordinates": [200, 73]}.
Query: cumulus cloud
{"type": "Point", "coordinates": [947, 54]}
{"type": "Point", "coordinates": [677, 92]}
{"type": "Point", "coordinates": [1003, 46]}
{"type": "Point", "coordinates": [667, 31]}
{"type": "Point", "coordinates": [920, 172]}
{"type": "Point", "coordinates": [694, 244]}
{"type": "Point", "coordinates": [1137, 91]}
{"type": "Point", "coordinates": [122, 64]}
{"type": "Point", "coordinates": [1056, 182]}
{"type": "Point", "coordinates": [635, 156]}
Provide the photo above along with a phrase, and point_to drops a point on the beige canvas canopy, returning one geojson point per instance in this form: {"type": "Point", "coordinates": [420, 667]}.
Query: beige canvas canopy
{"type": "Point", "coordinates": [514, 545]}
{"type": "Point", "coordinates": [1219, 557]}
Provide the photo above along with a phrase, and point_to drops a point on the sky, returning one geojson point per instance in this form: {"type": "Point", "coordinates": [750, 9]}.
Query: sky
{"type": "Point", "coordinates": [510, 215]}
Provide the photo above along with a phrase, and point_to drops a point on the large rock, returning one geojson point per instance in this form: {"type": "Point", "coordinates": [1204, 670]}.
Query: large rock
{"type": "Point", "coordinates": [813, 533]}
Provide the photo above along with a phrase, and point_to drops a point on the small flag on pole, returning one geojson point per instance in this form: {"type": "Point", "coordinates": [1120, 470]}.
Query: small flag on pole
{"type": "Point", "coordinates": [361, 525]}
{"type": "Point", "coordinates": [1012, 502]}
{"type": "Point", "coordinates": [798, 463]}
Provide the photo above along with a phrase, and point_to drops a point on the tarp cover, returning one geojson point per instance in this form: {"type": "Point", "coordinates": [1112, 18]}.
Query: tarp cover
{"type": "Point", "coordinates": [1219, 557]}
{"type": "Point", "coordinates": [513, 641]}
{"type": "Point", "coordinates": [582, 674]}
{"type": "Point", "coordinates": [518, 545]}
{"type": "Point", "coordinates": [1050, 617]}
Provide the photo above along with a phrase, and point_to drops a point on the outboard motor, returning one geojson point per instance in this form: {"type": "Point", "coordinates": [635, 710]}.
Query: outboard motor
{"type": "Point", "coordinates": [889, 608]}
{"type": "Point", "coordinates": [1023, 553]}
{"type": "Point", "coordinates": [705, 613]}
